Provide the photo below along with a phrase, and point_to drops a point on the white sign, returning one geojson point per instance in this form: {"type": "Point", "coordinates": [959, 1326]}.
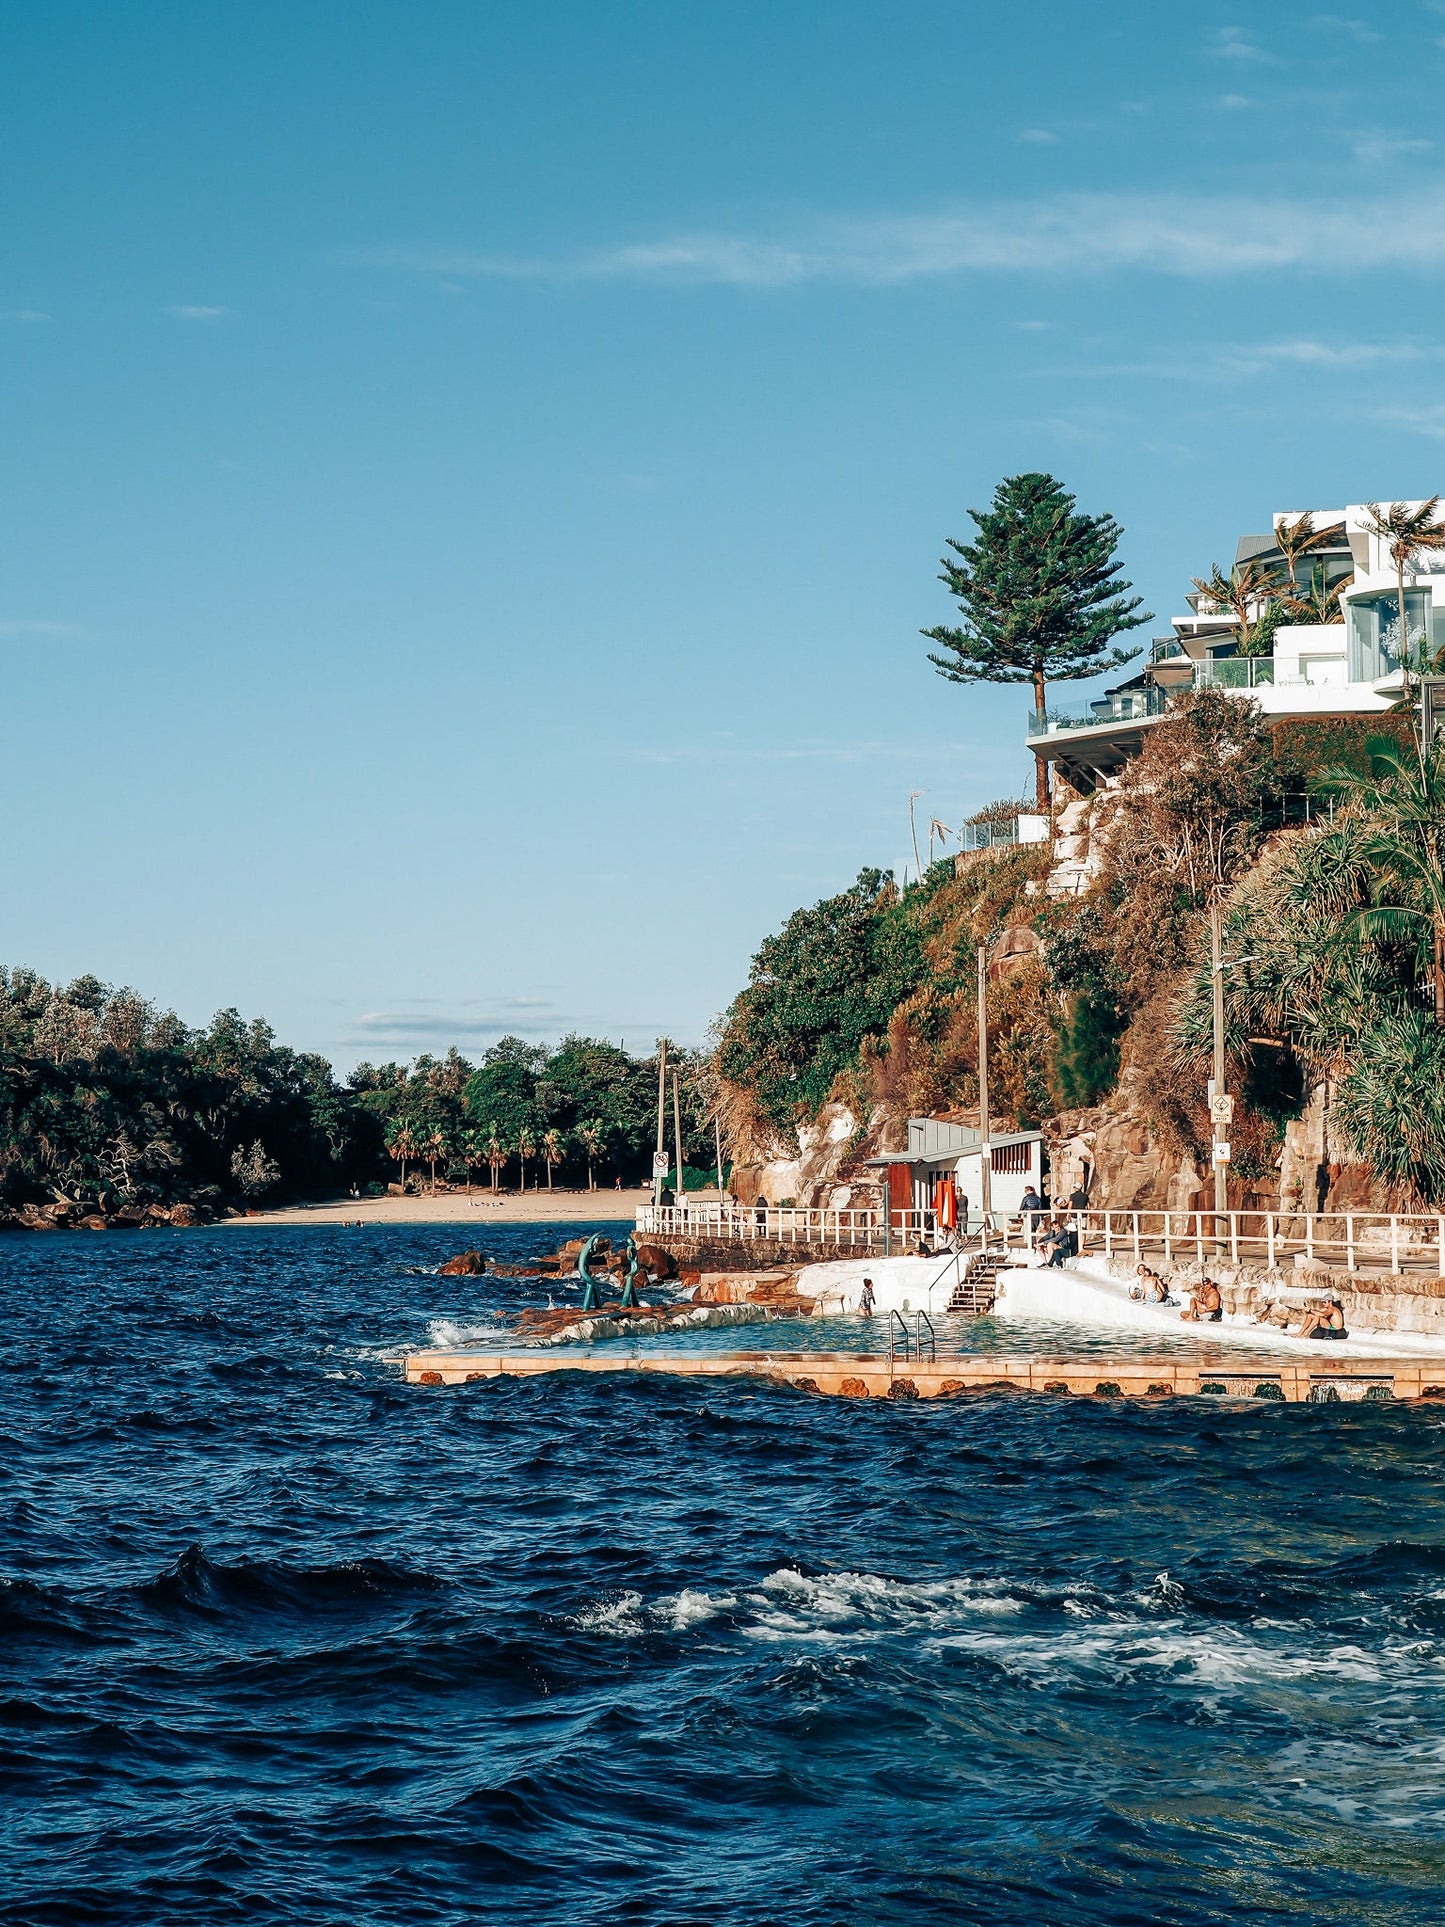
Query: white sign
{"type": "Point", "coordinates": [1221, 1109]}
{"type": "Point", "coordinates": [661, 1164]}
{"type": "Point", "coordinates": [1221, 1154]}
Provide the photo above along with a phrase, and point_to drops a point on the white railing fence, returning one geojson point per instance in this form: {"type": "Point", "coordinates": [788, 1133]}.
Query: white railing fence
{"type": "Point", "coordinates": [1343, 1240]}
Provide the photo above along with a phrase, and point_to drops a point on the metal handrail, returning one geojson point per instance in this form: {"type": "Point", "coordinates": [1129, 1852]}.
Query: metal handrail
{"type": "Point", "coordinates": [907, 1352]}
{"type": "Point", "coordinates": [921, 1319]}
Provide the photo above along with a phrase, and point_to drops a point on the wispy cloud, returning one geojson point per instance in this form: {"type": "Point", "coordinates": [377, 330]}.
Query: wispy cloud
{"type": "Point", "coordinates": [40, 629]}
{"type": "Point", "coordinates": [424, 1024]}
{"type": "Point", "coordinates": [1216, 361]}
{"type": "Point", "coordinates": [1192, 236]}
{"type": "Point", "coordinates": [1239, 45]}
{"type": "Point", "coordinates": [185, 312]}
{"type": "Point", "coordinates": [1357, 30]}
{"type": "Point", "coordinates": [23, 315]}
{"type": "Point", "coordinates": [1379, 150]}
{"type": "Point", "coordinates": [1039, 137]}
{"type": "Point", "coordinates": [1428, 420]}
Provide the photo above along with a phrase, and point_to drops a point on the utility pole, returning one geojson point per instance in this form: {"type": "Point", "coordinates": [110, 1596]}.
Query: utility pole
{"type": "Point", "coordinates": [1221, 1105]}
{"type": "Point", "coordinates": [661, 1117]}
{"type": "Point", "coordinates": [680, 1195]}
{"type": "Point", "coordinates": [985, 1151]}
{"type": "Point", "coordinates": [717, 1140]}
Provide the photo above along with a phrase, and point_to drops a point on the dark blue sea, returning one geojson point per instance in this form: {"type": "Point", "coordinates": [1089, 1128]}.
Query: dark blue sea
{"type": "Point", "coordinates": [284, 1640]}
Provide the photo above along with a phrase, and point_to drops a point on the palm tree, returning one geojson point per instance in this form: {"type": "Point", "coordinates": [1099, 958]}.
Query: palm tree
{"type": "Point", "coordinates": [496, 1154]}
{"type": "Point", "coordinates": [473, 1153]}
{"type": "Point", "coordinates": [434, 1146]}
{"type": "Point", "coordinates": [590, 1135]}
{"type": "Point", "coordinates": [1247, 593]}
{"type": "Point", "coordinates": [402, 1144]}
{"type": "Point", "coordinates": [1406, 533]}
{"type": "Point", "coordinates": [552, 1150]}
{"type": "Point", "coordinates": [1401, 841]}
{"type": "Point", "coordinates": [1301, 537]}
{"type": "Point", "coordinates": [526, 1148]}
{"type": "Point", "coordinates": [1320, 602]}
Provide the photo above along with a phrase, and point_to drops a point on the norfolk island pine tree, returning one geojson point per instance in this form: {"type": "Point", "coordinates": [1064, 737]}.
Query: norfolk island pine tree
{"type": "Point", "coordinates": [1041, 596]}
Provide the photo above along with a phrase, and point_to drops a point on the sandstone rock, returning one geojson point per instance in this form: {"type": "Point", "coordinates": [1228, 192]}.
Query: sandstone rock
{"type": "Point", "coordinates": [93, 1221]}
{"type": "Point", "coordinates": [656, 1262]}
{"type": "Point", "coordinates": [466, 1264]}
{"type": "Point", "coordinates": [184, 1215]}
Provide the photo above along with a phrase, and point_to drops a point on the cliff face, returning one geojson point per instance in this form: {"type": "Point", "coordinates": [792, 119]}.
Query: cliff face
{"type": "Point", "coordinates": [1098, 1015]}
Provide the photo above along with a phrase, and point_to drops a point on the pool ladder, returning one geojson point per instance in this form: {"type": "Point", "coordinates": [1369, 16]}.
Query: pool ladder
{"type": "Point", "coordinates": [912, 1342]}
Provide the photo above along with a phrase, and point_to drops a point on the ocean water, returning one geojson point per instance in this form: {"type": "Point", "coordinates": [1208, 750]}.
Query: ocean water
{"type": "Point", "coordinates": [284, 1640]}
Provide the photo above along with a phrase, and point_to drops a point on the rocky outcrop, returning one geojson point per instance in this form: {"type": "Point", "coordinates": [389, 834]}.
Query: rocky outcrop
{"type": "Point", "coordinates": [67, 1214]}
{"type": "Point", "coordinates": [466, 1264]}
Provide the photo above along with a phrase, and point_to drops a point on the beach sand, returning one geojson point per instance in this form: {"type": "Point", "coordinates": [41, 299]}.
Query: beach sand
{"type": "Point", "coordinates": [455, 1207]}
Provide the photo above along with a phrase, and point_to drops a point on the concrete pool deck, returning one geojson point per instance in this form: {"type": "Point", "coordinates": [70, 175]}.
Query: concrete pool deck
{"type": "Point", "coordinates": [1296, 1379]}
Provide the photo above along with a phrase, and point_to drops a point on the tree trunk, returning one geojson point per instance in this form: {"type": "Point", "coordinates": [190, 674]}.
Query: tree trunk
{"type": "Point", "coordinates": [549, 1174]}
{"type": "Point", "coordinates": [1041, 766]}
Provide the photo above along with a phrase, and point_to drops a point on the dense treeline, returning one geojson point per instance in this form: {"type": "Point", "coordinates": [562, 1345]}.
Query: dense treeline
{"type": "Point", "coordinates": [106, 1101]}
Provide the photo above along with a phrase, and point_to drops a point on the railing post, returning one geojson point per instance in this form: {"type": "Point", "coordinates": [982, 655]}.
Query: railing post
{"type": "Point", "coordinates": [1269, 1236]}
{"type": "Point", "coordinates": [1199, 1236]}
{"type": "Point", "coordinates": [1136, 1237]}
{"type": "Point", "coordinates": [1234, 1237]}
{"type": "Point", "coordinates": [1350, 1240]}
{"type": "Point", "coordinates": [1309, 1234]}
{"type": "Point", "coordinates": [1108, 1236]}
{"type": "Point", "coordinates": [1168, 1237]}
{"type": "Point", "coordinates": [1394, 1244]}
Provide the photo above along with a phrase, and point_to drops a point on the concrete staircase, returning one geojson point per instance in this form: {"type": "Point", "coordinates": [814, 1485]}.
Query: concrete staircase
{"type": "Point", "coordinates": [975, 1293]}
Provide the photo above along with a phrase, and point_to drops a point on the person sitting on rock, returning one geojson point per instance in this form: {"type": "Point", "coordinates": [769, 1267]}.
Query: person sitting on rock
{"type": "Point", "coordinates": [1326, 1323]}
{"type": "Point", "coordinates": [1205, 1305]}
{"type": "Point", "coordinates": [1151, 1288]}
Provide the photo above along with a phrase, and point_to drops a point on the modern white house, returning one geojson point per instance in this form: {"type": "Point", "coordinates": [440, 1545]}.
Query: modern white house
{"type": "Point", "coordinates": [1349, 666]}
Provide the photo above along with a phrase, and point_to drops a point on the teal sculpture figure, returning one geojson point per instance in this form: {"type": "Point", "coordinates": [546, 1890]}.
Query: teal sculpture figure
{"type": "Point", "coordinates": [629, 1285]}
{"type": "Point", "coordinates": [592, 1294]}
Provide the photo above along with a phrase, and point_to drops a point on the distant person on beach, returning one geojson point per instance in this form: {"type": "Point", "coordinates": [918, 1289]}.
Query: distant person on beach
{"type": "Point", "coordinates": [617, 1182]}
{"type": "Point", "coordinates": [865, 1301]}
{"type": "Point", "coordinates": [1079, 1200]}
{"type": "Point", "coordinates": [1032, 1206]}
{"type": "Point", "coordinates": [1329, 1323]}
{"type": "Point", "coordinates": [760, 1213]}
{"type": "Point", "coordinates": [1205, 1305]}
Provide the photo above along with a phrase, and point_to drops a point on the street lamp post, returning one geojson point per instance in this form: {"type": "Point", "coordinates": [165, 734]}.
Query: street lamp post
{"type": "Point", "coordinates": [1221, 1104]}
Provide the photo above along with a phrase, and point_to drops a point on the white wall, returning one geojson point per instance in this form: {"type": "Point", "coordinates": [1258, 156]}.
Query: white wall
{"type": "Point", "coordinates": [1293, 640]}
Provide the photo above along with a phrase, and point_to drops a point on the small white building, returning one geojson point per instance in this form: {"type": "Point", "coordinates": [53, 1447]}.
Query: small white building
{"type": "Point", "coordinates": [939, 1149]}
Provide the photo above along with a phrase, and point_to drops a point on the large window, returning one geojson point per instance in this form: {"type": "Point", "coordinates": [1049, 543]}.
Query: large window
{"type": "Point", "coordinates": [1374, 633]}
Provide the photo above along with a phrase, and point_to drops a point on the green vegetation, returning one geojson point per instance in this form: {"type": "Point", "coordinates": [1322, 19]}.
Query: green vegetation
{"type": "Point", "coordinates": [869, 999]}
{"type": "Point", "coordinates": [106, 1100]}
{"type": "Point", "coordinates": [831, 978]}
{"type": "Point", "coordinates": [108, 1103]}
{"type": "Point", "coordinates": [1041, 595]}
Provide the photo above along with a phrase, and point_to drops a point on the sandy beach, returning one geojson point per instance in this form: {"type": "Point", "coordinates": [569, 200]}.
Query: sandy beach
{"type": "Point", "coordinates": [455, 1207]}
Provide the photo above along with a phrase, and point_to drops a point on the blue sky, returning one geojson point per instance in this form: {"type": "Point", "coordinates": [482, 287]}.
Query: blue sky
{"type": "Point", "coordinates": [474, 473]}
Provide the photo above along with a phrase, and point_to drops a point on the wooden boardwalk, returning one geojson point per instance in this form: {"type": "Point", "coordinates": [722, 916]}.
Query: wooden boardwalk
{"type": "Point", "coordinates": [1300, 1377]}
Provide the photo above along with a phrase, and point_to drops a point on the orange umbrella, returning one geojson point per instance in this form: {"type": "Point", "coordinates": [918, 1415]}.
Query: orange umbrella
{"type": "Point", "coordinates": [946, 1205]}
